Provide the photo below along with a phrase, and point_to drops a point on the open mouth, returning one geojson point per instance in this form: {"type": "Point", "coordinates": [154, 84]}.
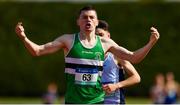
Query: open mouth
{"type": "Point", "coordinates": [88, 25]}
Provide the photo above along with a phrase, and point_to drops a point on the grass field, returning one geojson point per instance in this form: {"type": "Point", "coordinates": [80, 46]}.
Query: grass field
{"type": "Point", "coordinates": [22, 100]}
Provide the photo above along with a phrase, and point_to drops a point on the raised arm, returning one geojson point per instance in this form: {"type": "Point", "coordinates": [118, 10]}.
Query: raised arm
{"type": "Point", "coordinates": [142, 52]}
{"type": "Point", "coordinates": [38, 50]}
{"type": "Point", "coordinates": [133, 78]}
{"type": "Point", "coordinates": [138, 55]}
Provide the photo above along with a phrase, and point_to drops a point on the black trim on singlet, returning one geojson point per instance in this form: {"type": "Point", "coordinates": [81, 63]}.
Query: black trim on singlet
{"type": "Point", "coordinates": [74, 66]}
{"type": "Point", "coordinates": [122, 90]}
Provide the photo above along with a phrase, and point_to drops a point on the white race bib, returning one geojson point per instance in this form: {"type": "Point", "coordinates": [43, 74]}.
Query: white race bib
{"type": "Point", "coordinates": [86, 76]}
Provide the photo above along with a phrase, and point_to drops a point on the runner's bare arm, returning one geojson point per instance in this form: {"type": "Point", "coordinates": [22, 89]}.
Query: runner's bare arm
{"type": "Point", "coordinates": [136, 56]}
{"type": "Point", "coordinates": [133, 78]}
{"type": "Point", "coordinates": [38, 50]}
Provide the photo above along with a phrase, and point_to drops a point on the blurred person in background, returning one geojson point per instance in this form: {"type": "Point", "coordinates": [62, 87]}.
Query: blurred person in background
{"type": "Point", "coordinates": [113, 79]}
{"type": "Point", "coordinates": [171, 89]}
{"type": "Point", "coordinates": [84, 55]}
{"type": "Point", "coordinates": [51, 95]}
{"type": "Point", "coordinates": [157, 92]}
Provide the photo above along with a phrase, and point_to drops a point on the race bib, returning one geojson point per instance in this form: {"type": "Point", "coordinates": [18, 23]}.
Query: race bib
{"type": "Point", "coordinates": [86, 76]}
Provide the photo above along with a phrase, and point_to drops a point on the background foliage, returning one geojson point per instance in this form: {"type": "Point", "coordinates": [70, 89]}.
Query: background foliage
{"type": "Point", "coordinates": [24, 75]}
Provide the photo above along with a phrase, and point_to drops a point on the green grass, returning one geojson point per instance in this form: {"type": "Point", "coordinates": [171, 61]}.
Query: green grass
{"type": "Point", "coordinates": [24, 100]}
{"type": "Point", "coordinates": [19, 100]}
{"type": "Point", "coordinates": [138, 100]}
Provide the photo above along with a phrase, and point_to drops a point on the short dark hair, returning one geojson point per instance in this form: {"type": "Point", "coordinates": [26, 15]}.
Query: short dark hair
{"type": "Point", "coordinates": [103, 25]}
{"type": "Point", "coordinates": [86, 8]}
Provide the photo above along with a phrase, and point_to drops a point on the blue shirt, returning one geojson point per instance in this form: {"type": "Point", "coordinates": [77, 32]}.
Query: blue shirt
{"type": "Point", "coordinates": [171, 97]}
{"type": "Point", "coordinates": [112, 73]}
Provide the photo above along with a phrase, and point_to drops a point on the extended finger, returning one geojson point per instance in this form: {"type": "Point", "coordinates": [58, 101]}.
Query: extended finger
{"type": "Point", "coordinates": [19, 23]}
{"type": "Point", "coordinates": [153, 29]}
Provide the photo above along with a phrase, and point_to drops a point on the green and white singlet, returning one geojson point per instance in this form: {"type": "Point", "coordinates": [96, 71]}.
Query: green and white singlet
{"type": "Point", "coordinates": [83, 67]}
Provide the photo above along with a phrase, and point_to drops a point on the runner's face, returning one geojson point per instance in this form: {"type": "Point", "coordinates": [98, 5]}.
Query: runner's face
{"type": "Point", "coordinates": [102, 33]}
{"type": "Point", "coordinates": [87, 20]}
